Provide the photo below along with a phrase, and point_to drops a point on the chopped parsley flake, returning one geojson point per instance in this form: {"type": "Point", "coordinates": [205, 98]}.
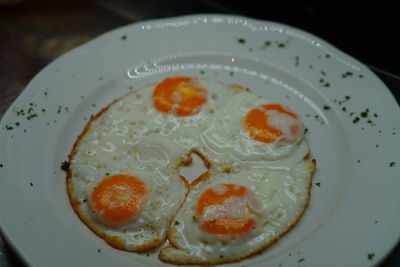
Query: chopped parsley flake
{"type": "Point", "coordinates": [327, 107]}
{"type": "Point", "coordinates": [17, 124]}
{"type": "Point", "coordinates": [1, 165]}
{"type": "Point", "coordinates": [323, 72]}
{"type": "Point", "coordinates": [318, 184]}
{"type": "Point", "coordinates": [31, 116]}
{"type": "Point", "coordinates": [84, 201]}
{"type": "Point", "coordinates": [305, 130]}
{"type": "Point", "coordinates": [202, 71]}
{"type": "Point", "coordinates": [98, 250]}
{"type": "Point", "coordinates": [371, 256]}
{"type": "Point", "coordinates": [20, 112]}
{"type": "Point", "coordinates": [301, 260]}
{"type": "Point", "coordinates": [281, 45]}
{"type": "Point", "coordinates": [123, 37]}
{"type": "Point", "coordinates": [364, 114]}
{"type": "Point", "coordinates": [65, 165]}
{"type": "Point", "coordinates": [231, 73]}
{"type": "Point", "coordinates": [324, 83]}
{"type": "Point", "coordinates": [176, 223]}
{"type": "Point", "coordinates": [356, 119]}
{"type": "Point", "coordinates": [9, 128]}
{"type": "Point", "coordinates": [221, 256]}
{"type": "Point", "coordinates": [327, 55]}
{"type": "Point", "coordinates": [318, 118]}
{"type": "Point", "coordinates": [31, 184]}
{"type": "Point", "coordinates": [194, 218]}
{"type": "Point", "coordinates": [241, 41]}
{"type": "Point", "coordinates": [267, 43]}
{"type": "Point", "coordinates": [347, 97]}
{"type": "Point", "coordinates": [391, 164]}
{"type": "Point", "coordinates": [347, 74]}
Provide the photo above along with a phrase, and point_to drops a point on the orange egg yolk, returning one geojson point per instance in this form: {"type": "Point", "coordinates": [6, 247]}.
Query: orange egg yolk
{"type": "Point", "coordinates": [118, 198]}
{"type": "Point", "coordinates": [224, 221]}
{"type": "Point", "coordinates": [179, 96]}
{"type": "Point", "coordinates": [258, 127]}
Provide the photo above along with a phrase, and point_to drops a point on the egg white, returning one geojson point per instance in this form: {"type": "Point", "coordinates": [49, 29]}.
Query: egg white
{"type": "Point", "coordinates": [283, 196]}
{"type": "Point", "coordinates": [226, 139]}
{"type": "Point", "coordinates": [131, 137]}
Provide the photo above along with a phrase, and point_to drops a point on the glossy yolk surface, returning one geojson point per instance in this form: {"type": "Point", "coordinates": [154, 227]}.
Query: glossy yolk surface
{"type": "Point", "coordinates": [257, 123]}
{"type": "Point", "coordinates": [118, 198]}
{"type": "Point", "coordinates": [179, 96]}
{"type": "Point", "coordinates": [225, 224]}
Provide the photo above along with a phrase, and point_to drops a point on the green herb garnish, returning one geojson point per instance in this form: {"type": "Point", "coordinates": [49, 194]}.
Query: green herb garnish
{"type": "Point", "coordinates": [327, 107]}
{"type": "Point", "coordinates": [364, 114]}
{"type": "Point", "coordinates": [65, 165]}
{"type": "Point", "coordinates": [241, 41]}
{"type": "Point", "coordinates": [356, 119]}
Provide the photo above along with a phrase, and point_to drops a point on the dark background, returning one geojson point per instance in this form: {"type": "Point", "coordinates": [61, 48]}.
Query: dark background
{"type": "Point", "coordinates": [35, 32]}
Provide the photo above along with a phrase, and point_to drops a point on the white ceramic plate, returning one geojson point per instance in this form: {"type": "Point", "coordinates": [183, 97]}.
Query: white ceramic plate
{"type": "Point", "coordinates": [352, 119]}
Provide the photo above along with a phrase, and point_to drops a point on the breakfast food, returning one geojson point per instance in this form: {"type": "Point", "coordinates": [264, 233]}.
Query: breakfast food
{"type": "Point", "coordinates": [124, 181]}
{"type": "Point", "coordinates": [227, 217]}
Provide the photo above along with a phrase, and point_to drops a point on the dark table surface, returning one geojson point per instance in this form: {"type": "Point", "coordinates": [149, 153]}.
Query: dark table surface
{"type": "Point", "coordinates": [35, 32]}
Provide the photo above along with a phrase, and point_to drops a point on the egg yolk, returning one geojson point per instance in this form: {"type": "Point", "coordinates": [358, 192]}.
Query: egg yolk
{"type": "Point", "coordinates": [259, 128]}
{"type": "Point", "coordinates": [179, 96]}
{"type": "Point", "coordinates": [118, 198]}
{"type": "Point", "coordinates": [224, 211]}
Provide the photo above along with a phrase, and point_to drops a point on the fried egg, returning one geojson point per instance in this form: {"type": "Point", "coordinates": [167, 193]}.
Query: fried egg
{"type": "Point", "coordinates": [127, 194]}
{"type": "Point", "coordinates": [124, 181]}
{"type": "Point", "coordinates": [251, 130]}
{"type": "Point", "coordinates": [228, 217]}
